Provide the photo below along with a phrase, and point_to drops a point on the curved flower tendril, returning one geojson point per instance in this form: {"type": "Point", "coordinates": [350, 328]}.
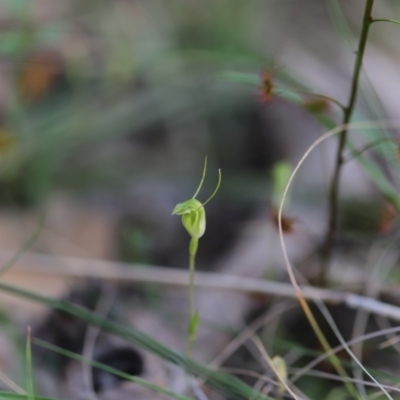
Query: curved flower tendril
{"type": "Point", "coordinates": [192, 210]}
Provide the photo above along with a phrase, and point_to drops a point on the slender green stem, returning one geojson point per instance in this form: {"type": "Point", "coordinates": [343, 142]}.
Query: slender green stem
{"type": "Point", "coordinates": [216, 188]}
{"type": "Point", "coordinates": [357, 153]}
{"type": "Point", "coordinates": [29, 374]}
{"type": "Point", "coordinates": [202, 178]}
{"type": "Point", "coordinates": [323, 96]}
{"type": "Point", "coordinates": [193, 318]}
{"type": "Point", "coordinates": [335, 183]}
{"type": "Point", "coordinates": [385, 20]}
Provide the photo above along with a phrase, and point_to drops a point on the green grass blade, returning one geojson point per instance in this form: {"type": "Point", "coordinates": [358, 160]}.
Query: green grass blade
{"type": "Point", "coordinates": [111, 370]}
{"type": "Point", "coordinates": [28, 361]}
{"type": "Point", "coordinates": [223, 382]}
{"type": "Point", "coordinates": [17, 396]}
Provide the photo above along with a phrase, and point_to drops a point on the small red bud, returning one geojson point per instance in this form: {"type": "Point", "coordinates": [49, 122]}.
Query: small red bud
{"type": "Point", "coordinates": [267, 86]}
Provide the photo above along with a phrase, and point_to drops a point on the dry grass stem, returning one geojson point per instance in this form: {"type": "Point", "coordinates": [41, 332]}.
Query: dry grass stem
{"type": "Point", "coordinates": [33, 263]}
{"type": "Point", "coordinates": [267, 358]}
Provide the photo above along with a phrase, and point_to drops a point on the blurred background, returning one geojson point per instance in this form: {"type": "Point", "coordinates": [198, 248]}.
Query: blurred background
{"type": "Point", "coordinates": [115, 104]}
{"type": "Point", "coordinates": [108, 109]}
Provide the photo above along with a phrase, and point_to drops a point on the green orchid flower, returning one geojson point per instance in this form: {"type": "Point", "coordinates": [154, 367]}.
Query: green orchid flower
{"type": "Point", "coordinates": [193, 217]}
{"type": "Point", "coordinates": [194, 221]}
{"type": "Point", "coordinates": [193, 212]}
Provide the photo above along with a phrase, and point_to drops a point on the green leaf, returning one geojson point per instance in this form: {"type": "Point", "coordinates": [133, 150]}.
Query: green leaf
{"type": "Point", "coordinates": [188, 206]}
{"type": "Point", "coordinates": [17, 396]}
{"type": "Point", "coordinates": [241, 77]}
{"type": "Point", "coordinates": [280, 176]}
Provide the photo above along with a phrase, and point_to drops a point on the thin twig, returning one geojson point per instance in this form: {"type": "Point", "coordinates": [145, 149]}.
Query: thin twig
{"type": "Point", "coordinates": [324, 356]}
{"type": "Point", "coordinates": [117, 271]}
{"type": "Point", "coordinates": [197, 391]}
{"type": "Point", "coordinates": [337, 333]}
{"type": "Point", "coordinates": [385, 20]}
{"type": "Point", "coordinates": [377, 270]}
{"type": "Point", "coordinates": [334, 186]}
{"type": "Point", "coordinates": [11, 384]}
{"type": "Point", "coordinates": [334, 377]}
{"type": "Point", "coordinates": [368, 146]}
{"type": "Point", "coordinates": [246, 333]}
{"type": "Point", "coordinates": [322, 96]}
{"type": "Point", "coordinates": [267, 358]}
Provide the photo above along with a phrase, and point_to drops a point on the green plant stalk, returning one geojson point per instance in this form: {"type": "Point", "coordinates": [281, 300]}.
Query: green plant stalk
{"type": "Point", "coordinates": [29, 374]}
{"type": "Point", "coordinates": [193, 316]}
{"type": "Point", "coordinates": [194, 221]}
{"type": "Point", "coordinates": [331, 233]}
{"type": "Point", "coordinates": [386, 20]}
